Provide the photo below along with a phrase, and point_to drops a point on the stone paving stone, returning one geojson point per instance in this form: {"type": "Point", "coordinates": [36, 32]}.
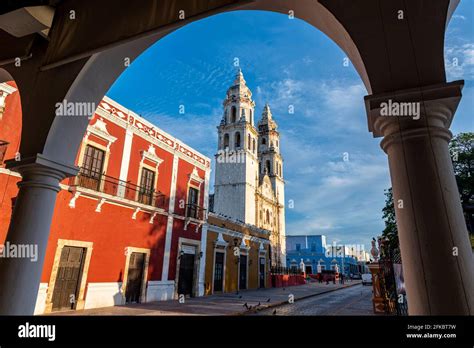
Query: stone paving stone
{"type": "Point", "coordinates": [219, 304]}
{"type": "Point", "coordinates": [355, 300]}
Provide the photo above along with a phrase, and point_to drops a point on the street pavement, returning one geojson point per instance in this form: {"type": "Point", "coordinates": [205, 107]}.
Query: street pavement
{"type": "Point", "coordinates": [245, 302]}
{"type": "Point", "coordinates": [355, 300]}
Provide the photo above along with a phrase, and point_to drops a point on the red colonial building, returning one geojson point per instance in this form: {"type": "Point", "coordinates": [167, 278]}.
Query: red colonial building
{"type": "Point", "coordinates": [128, 227]}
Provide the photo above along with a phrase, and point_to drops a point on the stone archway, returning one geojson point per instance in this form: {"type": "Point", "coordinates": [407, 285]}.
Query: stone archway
{"type": "Point", "coordinates": [78, 65]}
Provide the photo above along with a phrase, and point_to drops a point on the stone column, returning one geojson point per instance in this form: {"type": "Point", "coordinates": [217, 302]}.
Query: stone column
{"type": "Point", "coordinates": [202, 261]}
{"type": "Point", "coordinates": [30, 225]}
{"type": "Point", "coordinates": [436, 253]}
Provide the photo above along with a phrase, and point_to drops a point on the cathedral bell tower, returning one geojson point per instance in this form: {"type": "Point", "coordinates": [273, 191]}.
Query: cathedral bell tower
{"type": "Point", "coordinates": [271, 165]}
{"type": "Point", "coordinates": [237, 158]}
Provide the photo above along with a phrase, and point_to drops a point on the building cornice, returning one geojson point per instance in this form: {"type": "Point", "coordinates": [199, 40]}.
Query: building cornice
{"type": "Point", "coordinates": [150, 129]}
{"type": "Point", "coordinates": [232, 233]}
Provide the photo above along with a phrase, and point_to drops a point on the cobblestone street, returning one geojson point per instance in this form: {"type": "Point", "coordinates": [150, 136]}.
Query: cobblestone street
{"type": "Point", "coordinates": [355, 300]}
{"type": "Point", "coordinates": [233, 304]}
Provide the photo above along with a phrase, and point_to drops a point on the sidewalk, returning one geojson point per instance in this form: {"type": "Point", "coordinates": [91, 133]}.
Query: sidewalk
{"type": "Point", "coordinates": [222, 304]}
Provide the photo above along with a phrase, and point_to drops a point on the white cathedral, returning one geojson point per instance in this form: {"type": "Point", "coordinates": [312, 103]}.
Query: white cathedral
{"type": "Point", "coordinates": [249, 184]}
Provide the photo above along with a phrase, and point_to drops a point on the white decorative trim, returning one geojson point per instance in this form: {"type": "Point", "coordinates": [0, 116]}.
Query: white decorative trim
{"type": "Point", "coordinates": [5, 91]}
{"type": "Point", "coordinates": [5, 87]}
{"type": "Point", "coordinates": [186, 223]}
{"type": "Point", "coordinates": [153, 216]}
{"type": "Point", "coordinates": [160, 290]}
{"type": "Point", "coordinates": [125, 164]}
{"type": "Point", "coordinates": [166, 255]}
{"type": "Point", "coordinates": [116, 200]}
{"type": "Point", "coordinates": [236, 234]}
{"type": "Point", "coordinates": [104, 295]}
{"type": "Point", "coordinates": [243, 245]}
{"type": "Point", "coordinates": [195, 176]}
{"type": "Point", "coordinates": [98, 209]}
{"type": "Point", "coordinates": [134, 216]}
{"type": "Point", "coordinates": [220, 241]}
{"type": "Point", "coordinates": [251, 227]}
{"type": "Point", "coordinates": [9, 172]}
{"type": "Point", "coordinates": [202, 265]}
{"type": "Point", "coordinates": [72, 202]}
{"type": "Point", "coordinates": [169, 226]}
{"type": "Point", "coordinates": [122, 116]}
{"type": "Point", "coordinates": [99, 129]}
{"type": "Point", "coordinates": [41, 299]}
{"type": "Point", "coordinates": [150, 154]}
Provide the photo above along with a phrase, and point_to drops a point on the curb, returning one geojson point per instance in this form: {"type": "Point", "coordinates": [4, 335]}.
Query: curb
{"type": "Point", "coordinates": [278, 304]}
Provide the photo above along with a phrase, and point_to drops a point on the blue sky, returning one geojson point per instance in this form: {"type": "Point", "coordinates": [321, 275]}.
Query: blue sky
{"type": "Point", "coordinates": [286, 62]}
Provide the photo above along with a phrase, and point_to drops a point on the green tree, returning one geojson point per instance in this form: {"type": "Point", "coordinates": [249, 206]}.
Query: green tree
{"type": "Point", "coordinates": [388, 214]}
{"type": "Point", "coordinates": [461, 149]}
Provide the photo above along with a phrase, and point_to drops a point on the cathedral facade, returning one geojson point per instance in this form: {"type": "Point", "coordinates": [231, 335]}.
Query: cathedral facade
{"type": "Point", "coordinates": [249, 185]}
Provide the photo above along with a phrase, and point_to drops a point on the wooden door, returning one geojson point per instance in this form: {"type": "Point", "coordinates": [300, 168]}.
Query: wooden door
{"type": "Point", "coordinates": [219, 272]}
{"type": "Point", "coordinates": [135, 278]}
{"type": "Point", "coordinates": [186, 274]}
{"type": "Point", "coordinates": [261, 272]}
{"type": "Point", "coordinates": [243, 272]}
{"type": "Point", "coordinates": [67, 284]}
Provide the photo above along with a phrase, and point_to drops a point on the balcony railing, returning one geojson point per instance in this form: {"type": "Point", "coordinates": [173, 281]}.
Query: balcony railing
{"type": "Point", "coordinates": [285, 270]}
{"type": "Point", "coordinates": [112, 186]}
{"type": "Point", "coordinates": [195, 211]}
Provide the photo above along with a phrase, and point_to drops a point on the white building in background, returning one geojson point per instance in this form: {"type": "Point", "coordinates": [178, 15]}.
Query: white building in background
{"type": "Point", "coordinates": [249, 184]}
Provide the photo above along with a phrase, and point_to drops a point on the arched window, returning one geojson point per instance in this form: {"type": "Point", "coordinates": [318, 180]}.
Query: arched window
{"type": "Point", "coordinates": [249, 142]}
{"type": "Point", "coordinates": [226, 141]}
{"type": "Point", "coordinates": [280, 170]}
{"type": "Point", "coordinates": [237, 140]}
{"type": "Point", "coordinates": [264, 141]}
{"type": "Point", "coordinates": [268, 217]}
{"type": "Point", "coordinates": [226, 115]}
{"type": "Point", "coordinates": [234, 114]}
{"type": "Point", "coordinates": [242, 114]}
{"type": "Point", "coordinates": [268, 167]}
{"type": "Point", "coordinates": [277, 143]}
{"type": "Point", "coordinates": [260, 170]}
{"type": "Point", "coordinates": [254, 147]}
{"type": "Point", "coordinates": [251, 116]}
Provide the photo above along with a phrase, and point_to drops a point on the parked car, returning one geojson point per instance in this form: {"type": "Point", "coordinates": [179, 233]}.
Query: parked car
{"type": "Point", "coordinates": [356, 276]}
{"type": "Point", "coordinates": [366, 278]}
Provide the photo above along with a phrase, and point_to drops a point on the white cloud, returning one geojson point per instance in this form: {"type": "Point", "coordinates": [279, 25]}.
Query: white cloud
{"type": "Point", "coordinates": [459, 17]}
{"type": "Point", "coordinates": [340, 198]}
{"type": "Point", "coordinates": [459, 61]}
